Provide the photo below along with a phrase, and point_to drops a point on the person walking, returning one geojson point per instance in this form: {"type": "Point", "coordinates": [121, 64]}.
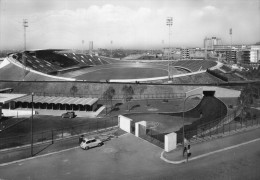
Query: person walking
{"type": "Point", "coordinates": [185, 147]}
{"type": "Point", "coordinates": [188, 152]}
{"type": "Point", "coordinates": [81, 139]}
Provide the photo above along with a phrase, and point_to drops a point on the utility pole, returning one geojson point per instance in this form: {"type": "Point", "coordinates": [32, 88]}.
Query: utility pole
{"type": "Point", "coordinates": [111, 42]}
{"type": "Point", "coordinates": [25, 25]}
{"type": "Point", "coordinates": [169, 23]}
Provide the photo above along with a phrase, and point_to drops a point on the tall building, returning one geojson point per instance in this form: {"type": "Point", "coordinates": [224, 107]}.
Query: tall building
{"type": "Point", "coordinates": [209, 43]}
{"type": "Point", "coordinates": [185, 53]}
{"type": "Point", "coordinates": [255, 54]}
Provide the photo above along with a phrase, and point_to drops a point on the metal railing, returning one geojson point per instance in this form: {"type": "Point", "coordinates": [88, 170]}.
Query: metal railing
{"type": "Point", "coordinates": [58, 134]}
{"type": "Point", "coordinates": [231, 123]}
{"type": "Point", "coordinates": [152, 136]}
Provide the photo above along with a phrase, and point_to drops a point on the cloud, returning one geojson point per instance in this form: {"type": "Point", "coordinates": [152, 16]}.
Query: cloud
{"type": "Point", "coordinates": [136, 25]}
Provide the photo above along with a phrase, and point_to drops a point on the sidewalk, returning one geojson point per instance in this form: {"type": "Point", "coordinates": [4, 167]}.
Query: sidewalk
{"type": "Point", "coordinates": [206, 148]}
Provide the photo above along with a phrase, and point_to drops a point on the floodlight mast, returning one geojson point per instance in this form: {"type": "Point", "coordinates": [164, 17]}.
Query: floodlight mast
{"type": "Point", "coordinates": [169, 23]}
{"type": "Point", "coordinates": [25, 25]}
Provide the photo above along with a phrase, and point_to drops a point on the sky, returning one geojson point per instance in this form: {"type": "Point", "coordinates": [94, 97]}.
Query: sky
{"type": "Point", "coordinates": [132, 24]}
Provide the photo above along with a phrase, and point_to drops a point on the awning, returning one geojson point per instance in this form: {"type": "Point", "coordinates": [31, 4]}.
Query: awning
{"type": "Point", "coordinates": [58, 100]}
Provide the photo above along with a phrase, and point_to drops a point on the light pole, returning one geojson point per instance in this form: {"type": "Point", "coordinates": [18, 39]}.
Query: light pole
{"type": "Point", "coordinates": [82, 46]}
{"type": "Point", "coordinates": [183, 113]}
{"type": "Point", "coordinates": [169, 23]}
{"type": "Point", "coordinates": [111, 42]}
{"type": "Point", "coordinates": [32, 127]}
{"type": "Point", "coordinates": [25, 25]}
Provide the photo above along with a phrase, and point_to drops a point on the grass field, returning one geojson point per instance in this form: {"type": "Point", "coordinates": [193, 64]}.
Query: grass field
{"type": "Point", "coordinates": [122, 73]}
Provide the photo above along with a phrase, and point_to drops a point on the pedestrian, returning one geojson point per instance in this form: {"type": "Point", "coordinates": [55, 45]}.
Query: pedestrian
{"type": "Point", "coordinates": [184, 151]}
{"type": "Point", "coordinates": [185, 146]}
{"type": "Point", "coordinates": [81, 139]}
{"type": "Point", "coordinates": [188, 152]}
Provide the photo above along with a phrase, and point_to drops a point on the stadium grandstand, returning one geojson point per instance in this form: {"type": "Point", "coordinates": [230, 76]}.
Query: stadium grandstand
{"type": "Point", "coordinates": [65, 65]}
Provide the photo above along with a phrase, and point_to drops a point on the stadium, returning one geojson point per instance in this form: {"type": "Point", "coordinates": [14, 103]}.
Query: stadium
{"type": "Point", "coordinates": [59, 80]}
{"type": "Point", "coordinates": [162, 102]}
{"type": "Point", "coordinates": [57, 65]}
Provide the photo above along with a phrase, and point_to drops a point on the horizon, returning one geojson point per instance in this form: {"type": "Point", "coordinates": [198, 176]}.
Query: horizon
{"type": "Point", "coordinates": [63, 24]}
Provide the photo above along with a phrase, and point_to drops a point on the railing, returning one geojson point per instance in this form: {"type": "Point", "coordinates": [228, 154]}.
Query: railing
{"type": "Point", "coordinates": [211, 126]}
{"type": "Point", "coordinates": [231, 123]}
{"type": "Point", "coordinates": [58, 134]}
{"type": "Point", "coordinates": [152, 136]}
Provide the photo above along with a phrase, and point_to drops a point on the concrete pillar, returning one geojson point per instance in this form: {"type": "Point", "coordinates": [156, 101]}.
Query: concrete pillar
{"type": "Point", "coordinates": [170, 142]}
{"type": "Point", "coordinates": [140, 128]}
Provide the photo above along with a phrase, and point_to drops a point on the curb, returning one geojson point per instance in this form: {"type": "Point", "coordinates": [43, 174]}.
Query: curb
{"type": "Point", "coordinates": [207, 154]}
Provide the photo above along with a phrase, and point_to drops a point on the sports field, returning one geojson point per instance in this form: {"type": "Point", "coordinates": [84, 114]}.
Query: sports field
{"type": "Point", "coordinates": [123, 73]}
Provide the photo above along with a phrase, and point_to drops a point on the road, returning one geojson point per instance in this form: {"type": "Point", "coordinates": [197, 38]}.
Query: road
{"type": "Point", "coordinates": [129, 157]}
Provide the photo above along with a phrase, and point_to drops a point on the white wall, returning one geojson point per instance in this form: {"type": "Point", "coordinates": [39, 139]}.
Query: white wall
{"type": "Point", "coordinates": [170, 142]}
{"type": "Point", "coordinates": [140, 130]}
{"type": "Point", "coordinates": [17, 113]}
{"type": "Point", "coordinates": [125, 123]}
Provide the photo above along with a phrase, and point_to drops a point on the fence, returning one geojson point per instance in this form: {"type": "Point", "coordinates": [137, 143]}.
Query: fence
{"type": "Point", "coordinates": [152, 136]}
{"type": "Point", "coordinates": [58, 134]}
{"type": "Point", "coordinates": [231, 123]}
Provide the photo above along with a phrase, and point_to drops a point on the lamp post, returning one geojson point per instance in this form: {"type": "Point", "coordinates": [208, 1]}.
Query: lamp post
{"type": "Point", "coordinates": [32, 127]}
{"type": "Point", "coordinates": [169, 23]}
{"type": "Point", "coordinates": [183, 137]}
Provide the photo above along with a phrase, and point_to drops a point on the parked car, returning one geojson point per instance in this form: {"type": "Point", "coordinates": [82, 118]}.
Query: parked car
{"type": "Point", "coordinates": [89, 143]}
{"type": "Point", "coordinates": [68, 115]}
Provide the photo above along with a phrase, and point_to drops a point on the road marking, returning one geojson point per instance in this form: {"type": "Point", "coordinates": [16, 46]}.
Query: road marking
{"type": "Point", "coordinates": [43, 155]}
{"type": "Point", "coordinates": [207, 154]}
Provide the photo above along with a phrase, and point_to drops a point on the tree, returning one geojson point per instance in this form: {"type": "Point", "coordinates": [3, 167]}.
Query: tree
{"type": "Point", "coordinates": [108, 96]}
{"type": "Point", "coordinates": [246, 98]}
{"type": "Point", "coordinates": [73, 90]}
{"type": "Point", "coordinates": [128, 93]}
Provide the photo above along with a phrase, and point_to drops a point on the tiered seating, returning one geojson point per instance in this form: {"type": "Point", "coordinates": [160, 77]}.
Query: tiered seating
{"type": "Point", "coordinates": [37, 63]}
{"type": "Point", "coordinates": [194, 65]}
{"type": "Point", "coordinates": [57, 59]}
{"type": "Point", "coordinates": [85, 60]}
{"type": "Point", "coordinates": [226, 68]}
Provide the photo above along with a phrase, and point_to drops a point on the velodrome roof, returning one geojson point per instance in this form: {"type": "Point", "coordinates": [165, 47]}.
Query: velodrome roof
{"type": "Point", "coordinates": [6, 97]}
{"type": "Point", "coordinates": [58, 100]}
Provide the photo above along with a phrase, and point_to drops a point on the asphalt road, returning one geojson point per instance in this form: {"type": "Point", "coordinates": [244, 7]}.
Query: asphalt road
{"type": "Point", "coordinates": [129, 157]}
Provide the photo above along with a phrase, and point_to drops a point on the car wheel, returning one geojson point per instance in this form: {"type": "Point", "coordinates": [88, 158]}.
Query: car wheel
{"type": "Point", "coordinates": [100, 144]}
{"type": "Point", "coordinates": [86, 148]}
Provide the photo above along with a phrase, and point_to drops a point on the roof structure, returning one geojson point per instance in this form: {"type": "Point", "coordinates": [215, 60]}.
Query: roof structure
{"type": "Point", "coordinates": [58, 100]}
{"type": "Point", "coordinates": [6, 98]}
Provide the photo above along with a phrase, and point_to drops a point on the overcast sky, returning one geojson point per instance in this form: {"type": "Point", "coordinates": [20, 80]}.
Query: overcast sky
{"type": "Point", "coordinates": [128, 23]}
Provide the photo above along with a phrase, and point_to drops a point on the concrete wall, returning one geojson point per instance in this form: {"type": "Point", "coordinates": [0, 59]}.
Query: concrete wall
{"type": "Point", "coordinates": [170, 142]}
{"type": "Point", "coordinates": [17, 113]}
{"type": "Point", "coordinates": [194, 91]}
{"type": "Point", "coordinates": [140, 128]}
{"type": "Point", "coordinates": [124, 123]}
{"type": "Point", "coordinates": [222, 92]}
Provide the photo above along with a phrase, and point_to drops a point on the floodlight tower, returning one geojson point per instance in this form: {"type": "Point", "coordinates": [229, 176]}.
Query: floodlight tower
{"type": "Point", "coordinates": [82, 46]}
{"type": "Point", "coordinates": [25, 25]}
{"type": "Point", "coordinates": [169, 23]}
{"type": "Point", "coordinates": [230, 33]}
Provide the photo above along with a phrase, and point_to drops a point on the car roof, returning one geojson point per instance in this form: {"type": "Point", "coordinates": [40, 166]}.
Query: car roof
{"type": "Point", "coordinates": [88, 139]}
